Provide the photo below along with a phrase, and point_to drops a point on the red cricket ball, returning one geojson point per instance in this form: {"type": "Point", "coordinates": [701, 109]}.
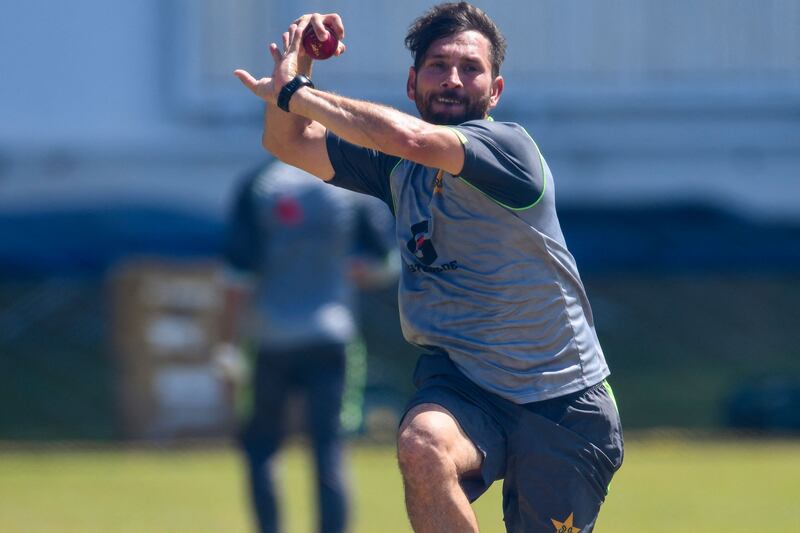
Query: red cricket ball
{"type": "Point", "coordinates": [320, 49]}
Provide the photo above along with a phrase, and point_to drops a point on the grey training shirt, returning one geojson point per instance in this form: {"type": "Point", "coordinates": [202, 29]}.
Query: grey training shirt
{"type": "Point", "coordinates": [295, 235]}
{"type": "Point", "coordinates": [487, 276]}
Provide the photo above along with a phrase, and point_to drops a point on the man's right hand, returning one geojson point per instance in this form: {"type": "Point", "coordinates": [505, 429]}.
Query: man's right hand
{"type": "Point", "coordinates": [293, 60]}
{"type": "Point", "coordinates": [318, 23]}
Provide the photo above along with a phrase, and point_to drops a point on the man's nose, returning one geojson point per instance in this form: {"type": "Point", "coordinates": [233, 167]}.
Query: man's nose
{"type": "Point", "coordinates": [452, 79]}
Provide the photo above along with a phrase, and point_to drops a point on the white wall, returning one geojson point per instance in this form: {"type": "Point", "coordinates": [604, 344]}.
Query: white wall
{"type": "Point", "coordinates": [78, 72]}
{"type": "Point", "coordinates": [691, 89]}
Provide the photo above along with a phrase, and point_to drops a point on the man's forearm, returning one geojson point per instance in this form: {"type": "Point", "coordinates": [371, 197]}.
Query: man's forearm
{"type": "Point", "coordinates": [365, 123]}
{"type": "Point", "coordinates": [281, 128]}
{"type": "Point", "coordinates": [302, 141]}
{"type": "Point", "coordinates": [298, 138]}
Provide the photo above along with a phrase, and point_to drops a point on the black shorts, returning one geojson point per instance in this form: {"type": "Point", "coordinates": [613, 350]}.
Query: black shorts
{"type": "Point", "coordinates": [556, 457]}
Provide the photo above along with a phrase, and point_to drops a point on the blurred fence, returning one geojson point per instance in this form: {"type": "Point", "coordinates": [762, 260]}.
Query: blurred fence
{"type": "Point", "coordinates": [56, 378]}
{"type": "Point", "coordinates": [683, 348]}
{"type": "Point", "coordinates": [695, 308]}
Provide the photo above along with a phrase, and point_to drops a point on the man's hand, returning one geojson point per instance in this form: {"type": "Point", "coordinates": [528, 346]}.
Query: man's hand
{"type": "Point", "coordinates": [286, 68]}
{"type": "Point", "coordinates": [293, 60]}
{"type": "Point", "coordinates": [318, 23]}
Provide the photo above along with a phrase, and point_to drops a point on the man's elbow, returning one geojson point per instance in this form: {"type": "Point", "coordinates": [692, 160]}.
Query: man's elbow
{"type": "Point", "coordinates": [270, 144]}
{"type": "Point", "coordinates": [274, 146]}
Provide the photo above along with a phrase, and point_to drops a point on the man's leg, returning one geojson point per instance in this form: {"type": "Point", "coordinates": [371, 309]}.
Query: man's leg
{"type": "Point", "coordinates": [434, 454]}
{"type": "Point", "coordinates": [325, 388]}
{"type": "Point", "coordinates": [262, 437]}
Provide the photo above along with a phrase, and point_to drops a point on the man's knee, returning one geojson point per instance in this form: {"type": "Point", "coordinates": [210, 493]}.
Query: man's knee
{"type": "Point", "coordinates": [427, 444]}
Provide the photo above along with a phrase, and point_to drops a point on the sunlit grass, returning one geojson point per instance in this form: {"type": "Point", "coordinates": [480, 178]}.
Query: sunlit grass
{"type": "Point", "coordinates": [667, 484]}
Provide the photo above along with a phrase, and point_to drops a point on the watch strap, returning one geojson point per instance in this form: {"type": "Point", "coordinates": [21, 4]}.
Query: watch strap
{"type": "Point", "coordinates": [290, 88]}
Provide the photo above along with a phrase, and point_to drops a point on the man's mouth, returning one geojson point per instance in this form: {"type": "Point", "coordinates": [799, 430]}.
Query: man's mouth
{"type": "Point", "coordinates": [448, 101]}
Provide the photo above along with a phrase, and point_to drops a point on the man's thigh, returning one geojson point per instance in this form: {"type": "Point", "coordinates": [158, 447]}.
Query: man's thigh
{"type": "Point", "coordinates": [264, 429]}
{"type": "Point", "coordinates": [323, 371]}
{"type": "Point", "coordinates": [447, 396]}
{"type": "Point", "coordinates": [272, 382]}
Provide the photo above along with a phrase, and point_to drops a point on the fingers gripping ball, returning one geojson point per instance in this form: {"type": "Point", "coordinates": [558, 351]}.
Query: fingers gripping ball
{"type": "Point", "coordinates": [319, 49]}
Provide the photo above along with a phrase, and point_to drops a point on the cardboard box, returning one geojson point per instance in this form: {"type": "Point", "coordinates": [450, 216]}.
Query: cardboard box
{"type": "Point", "coordinates": [166, 326]}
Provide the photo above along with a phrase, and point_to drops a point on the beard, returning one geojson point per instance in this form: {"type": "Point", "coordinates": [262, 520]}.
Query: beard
{"type": "Point", "coordinates": [472, 109]}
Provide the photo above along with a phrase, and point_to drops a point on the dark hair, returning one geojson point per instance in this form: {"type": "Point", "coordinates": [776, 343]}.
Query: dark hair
{"type": "Point", "coordinates": [451, 18]}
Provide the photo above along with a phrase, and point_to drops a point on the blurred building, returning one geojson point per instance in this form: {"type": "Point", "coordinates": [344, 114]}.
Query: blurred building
{"type": "Point", "coordinates": [673, 130]}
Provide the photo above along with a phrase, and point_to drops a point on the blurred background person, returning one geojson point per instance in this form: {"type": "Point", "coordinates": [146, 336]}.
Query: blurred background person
{"type": "Point", "coordinates": [298, 249]}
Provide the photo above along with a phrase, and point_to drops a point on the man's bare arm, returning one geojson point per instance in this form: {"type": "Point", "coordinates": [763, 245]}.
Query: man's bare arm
{"type": "Point", "coordinates": [292, 138]}
{"type": "Point", "coordinates": [382, 128]}
{"type": "Point", "coordinates": [297, 141]}
{"type": "Point", "coordinates": [298, 138]}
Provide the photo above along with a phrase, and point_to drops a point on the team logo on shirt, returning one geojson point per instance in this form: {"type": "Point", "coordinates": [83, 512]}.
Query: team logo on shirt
{"type": "Point", "coordinates": [288, 211]}
{"type": "Point", "coordinates": [565, 526]}
{"type": "Point", "coordinates": [437, 182]}
{"type": "Point", "coordinates": [421, 246]}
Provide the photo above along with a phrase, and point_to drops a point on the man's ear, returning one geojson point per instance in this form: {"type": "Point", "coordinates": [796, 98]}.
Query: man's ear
{"type": "Point", "coordinates": [411, 83]}
{"type": "Point", "coordinates": [497, 89]}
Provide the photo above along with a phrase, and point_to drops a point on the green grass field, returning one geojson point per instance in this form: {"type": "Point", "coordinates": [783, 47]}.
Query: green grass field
{"type": "Point", "coordinates": [667, 484]}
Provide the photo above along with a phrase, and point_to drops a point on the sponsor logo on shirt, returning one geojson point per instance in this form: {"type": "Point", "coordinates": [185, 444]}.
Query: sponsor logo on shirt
{"type": "Point", "coordinates": [452, 265]}
{"type": "Point", "coordinates": [420, 244]}
{"type": "Point", "coordinates": [422, 247]}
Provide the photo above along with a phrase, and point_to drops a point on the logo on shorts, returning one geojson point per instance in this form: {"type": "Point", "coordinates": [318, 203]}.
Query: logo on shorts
{"type": "Point", "coordinates": [565, 526]}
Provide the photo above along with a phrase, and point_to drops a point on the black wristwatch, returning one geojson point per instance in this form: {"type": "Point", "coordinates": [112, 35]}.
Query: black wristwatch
{"type": "Point", "coordinates": [290, 88]}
